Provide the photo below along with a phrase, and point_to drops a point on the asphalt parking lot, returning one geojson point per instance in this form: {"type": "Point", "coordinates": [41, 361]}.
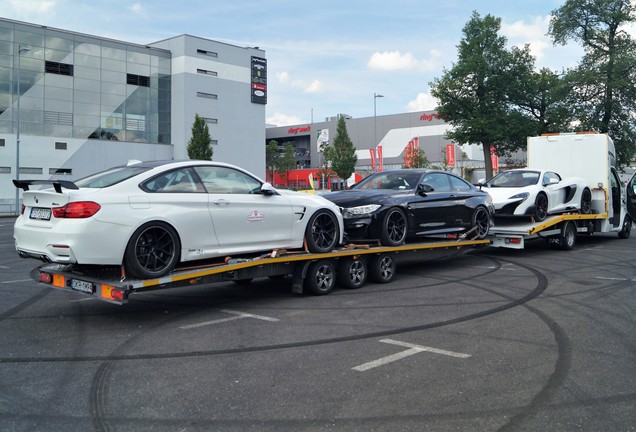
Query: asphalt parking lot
{"type": "Point", "coordinates": [490, 340]}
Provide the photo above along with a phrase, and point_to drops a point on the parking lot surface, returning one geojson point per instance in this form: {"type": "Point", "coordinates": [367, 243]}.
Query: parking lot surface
{"type": "Point", "coordinates": [489, 340]}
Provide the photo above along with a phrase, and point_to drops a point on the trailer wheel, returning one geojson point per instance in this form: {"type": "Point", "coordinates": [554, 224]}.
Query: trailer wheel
{"type": "Point", "coordinates": [322, 232]}
{"type": "Point", "coordinates": [152, 251]}
{"type": "Point", "coordinates": [352, 272]}
{"type": "Point", "coordinates": [541, 207]}
{"type": "Point", "coordinates": [394, 228]}
{"type": "Point", "coordinates": [586, 201]}
{"type": "Point", "coordinates": [321, 277]}
{"type": "Point", "coordinates": [567, 239]}
{"type": "Point", "coordinates": [382, 268]}
{"type": "Point", "coordinates": [626, 230]}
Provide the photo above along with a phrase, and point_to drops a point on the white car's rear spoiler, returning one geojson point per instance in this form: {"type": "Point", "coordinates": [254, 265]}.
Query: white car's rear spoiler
{"type": "Point", "coordinates": [57, 184]}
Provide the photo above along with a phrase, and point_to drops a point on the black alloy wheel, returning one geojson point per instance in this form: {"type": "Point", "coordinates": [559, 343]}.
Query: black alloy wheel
{"type": "Point", "coordinates": [394, 228]}
{"type": "Point", "coordinates": [322, 232]}
{"type": "Point", "coordinates": [153, 251]}
{"type": "Point", "coordinates": [481, 222]}
{"type": "Point", "coordinates": [541, 207]}
{"type": "Point", "coordinates": [382, 268]}
{"type": "Point", "coordinates": [626, 230]}
{"type": "Point", "coordinates": [586, 201]}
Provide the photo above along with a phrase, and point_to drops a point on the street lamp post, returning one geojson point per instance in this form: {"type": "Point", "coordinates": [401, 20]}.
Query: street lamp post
{"type": "Point", "coordinates": [21, 50]}
{"type": "Point", "coordinates": [375, 129]}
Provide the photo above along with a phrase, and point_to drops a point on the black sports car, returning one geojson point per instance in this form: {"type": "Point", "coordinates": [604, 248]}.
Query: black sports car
{"type": "Point", "coordinates": [397, 205]}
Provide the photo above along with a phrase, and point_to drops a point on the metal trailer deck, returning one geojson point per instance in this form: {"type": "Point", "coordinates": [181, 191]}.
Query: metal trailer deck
{"type": "Point", "coordinates": [318, 274]}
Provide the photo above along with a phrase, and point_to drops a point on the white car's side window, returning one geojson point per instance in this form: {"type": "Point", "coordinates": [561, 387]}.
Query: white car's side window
{"type": "Point", "coordinates": [222, 180]}
{"type": "Point", "coordinates": [179, 180]}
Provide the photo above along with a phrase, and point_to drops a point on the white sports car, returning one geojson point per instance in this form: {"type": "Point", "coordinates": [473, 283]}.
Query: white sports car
{"type": "Point", "coordinates": [537, 193]}
{"type": "Point", "coordinates": [150, 216]}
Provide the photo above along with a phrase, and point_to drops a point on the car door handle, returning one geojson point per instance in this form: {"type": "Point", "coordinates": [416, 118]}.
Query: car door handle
{"type": "Point", "coordinates": [221, 202]}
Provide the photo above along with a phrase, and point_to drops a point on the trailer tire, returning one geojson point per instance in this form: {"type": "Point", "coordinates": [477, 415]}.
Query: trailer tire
{"type": "Point", "coordinates": [321, 277]}
{"type": "Point", "coordinates": [352, 272]}
{"type": "Point", "coordinates": [394, 228]}
{"type": "Point", "coordinates": [322, 233]}
{"type": "Point", "coordinates": [382, 268]}
{"type": "Point", "coordinates": [626, 230]}
{"type": "Point", "coordinates": [567, 239]}
{"type": "Point", "coordinates": [152, 251]}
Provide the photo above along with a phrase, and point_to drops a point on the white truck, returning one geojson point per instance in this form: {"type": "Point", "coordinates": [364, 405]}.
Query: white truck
{"type": "Point", "coordinates": [591, 156]}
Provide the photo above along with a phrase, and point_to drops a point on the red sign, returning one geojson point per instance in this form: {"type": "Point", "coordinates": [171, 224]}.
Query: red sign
{"type": "Point", "coordinates": [429, 117]}
{"type": "Point", "coordinates": [450, 155]}
{"type": "Point", "coordinates": [372, 152]}
{"type": "Point", "coordinates": [494, 159]}
{"type": "Point", "coordinates": [380, 167]}
{"type": "Point", "coordinates": [299, 130]}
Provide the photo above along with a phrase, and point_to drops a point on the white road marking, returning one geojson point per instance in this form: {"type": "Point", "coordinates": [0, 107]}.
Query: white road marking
{"type": "Point", "coordinates": [82, 300]}
{"type": "Point", "coordinates": [4, 267]}
{"type": "Point", "coordinates": [413, 349]}
{"type": "Point", "coordinates": [237, 315]}
{"type": "Point", "coordinates": [616, 279]}
{"type": "Point", "coordinates": [14, 281]}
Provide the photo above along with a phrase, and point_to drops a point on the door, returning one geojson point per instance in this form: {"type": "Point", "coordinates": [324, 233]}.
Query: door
{"type": "Point", "coordinates": [631, 197]}
{"type": "Point", "coordinates": [434, 211]}
{"type": "Point", "coordinates": [245, 219]}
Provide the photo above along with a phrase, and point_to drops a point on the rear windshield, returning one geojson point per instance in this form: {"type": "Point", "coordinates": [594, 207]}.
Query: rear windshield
{"type": "Point", "coordinates": [111, 176]}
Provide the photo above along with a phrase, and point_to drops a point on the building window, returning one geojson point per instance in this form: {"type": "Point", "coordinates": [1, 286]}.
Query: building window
{"type": "Point", "coordinates": [1, 142]}
{"type": "Point", "coordinates": [60, 118]}
{"type": "Point", "coordinates": [207, 53]}
{"type": "Point", "coordinates": [207, 95]}
{"type": "Point", "coordinates": [138, 80]}
{"type": "Point", "coordinates": [60, 171]}
{"type": "Point", "coordinates": [211, 120]}
{"type": "Point", "coordinates": [207, 72]}
{"type": "Point", "coordinates": [58, 68]}
{"type": "Point", "coordinates": [60, 146]}
{"type": "Point", "coordinates": [30, 170]}
{"type": "Point", "coordinates": [5, 170]}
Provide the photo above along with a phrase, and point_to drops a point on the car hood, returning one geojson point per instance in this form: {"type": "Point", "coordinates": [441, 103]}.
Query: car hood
{"type": "Point", "coordinates": [499, 194]}
{"type": "Point", "coordinates": [355, 197]}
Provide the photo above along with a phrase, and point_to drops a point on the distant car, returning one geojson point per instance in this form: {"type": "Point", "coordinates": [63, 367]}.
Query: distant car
{"type": "Point", "coordinates": [396, 205]}
{"type": "Point", "coordinates": [537, 193]}
{"type": "Point", "coordinates": [150, 216]}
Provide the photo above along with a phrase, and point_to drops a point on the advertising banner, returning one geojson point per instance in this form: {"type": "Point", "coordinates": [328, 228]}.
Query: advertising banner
{"type": "Point", "coordinates": [323, 140]}
{"type": "Point", "coordinates": [450, 155]}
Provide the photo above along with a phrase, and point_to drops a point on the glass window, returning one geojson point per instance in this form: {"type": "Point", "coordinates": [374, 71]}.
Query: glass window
{"type": "Point", "coordinates": [88, 49]}
{"type": "Point", "coordinates": [180, 180]}
{"type": "Point", "coordinates": [459, 185]}
{"type": "Point", "coordinates": [438, 181]}
{"type": "Point", "coordinates": [113, 53]}
{"type": "Point", "coordinates": [87, 61]}
{"type": "Point", "coordinates": [28, 38]}
{"type": "Point", "coordinates": [111, 176]}
{"type": "Point", "coordinates": [223, 180]}
{"type": "Point", "coordinates": [59, 43]}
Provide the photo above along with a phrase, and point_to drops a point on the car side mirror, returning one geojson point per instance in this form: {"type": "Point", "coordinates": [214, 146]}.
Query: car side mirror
{"type": "Point", "coordinates": [423, 189]}
{"type": "Point", "coordinates": [551, 181]}
{"type": "Point", "coordinates": [268, 189]}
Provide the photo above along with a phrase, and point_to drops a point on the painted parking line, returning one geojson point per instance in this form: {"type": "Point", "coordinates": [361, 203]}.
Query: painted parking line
{"type": "Point", "coordinates": [412, 349]}
{"type": "Point", "coordinates": [15, 281]}
{"type": "Point", "coordinates": [616, 278]}
{"type": "Point", "coordinates": [237, 315]}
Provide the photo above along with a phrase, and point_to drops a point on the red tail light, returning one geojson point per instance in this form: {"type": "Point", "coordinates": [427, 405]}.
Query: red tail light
{"type": "Point", "coordinates": [76, 210]}
{"type": "Point", "coordinates": [22, 210]}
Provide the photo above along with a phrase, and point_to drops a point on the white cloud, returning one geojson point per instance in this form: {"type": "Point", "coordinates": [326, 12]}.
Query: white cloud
{"type": "Point", "coordinates": [280, 119]}
{"type": "Point", "coordinates": [423, 102]}
{"type": "Point", "coordinates": [314, 87]}
{"type": "Point", "coordinates": [283, 77]}
{"type": "Point", "coordinates": [395, 60]}
{"type": "Point", "coordinates": [138, 9]}
{"type": "Point", "coordinates": [31, 8]}
{"type": "Point", "coordinates": [534, 33]}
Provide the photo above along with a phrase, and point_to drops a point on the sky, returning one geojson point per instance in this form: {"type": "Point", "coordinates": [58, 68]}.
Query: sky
{"type": "Point", "coordinates": [325, 57]}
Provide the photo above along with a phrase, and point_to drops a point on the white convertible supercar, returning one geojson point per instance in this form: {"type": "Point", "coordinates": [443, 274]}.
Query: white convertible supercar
{"type": "Point", "coordinates": [150, 216]}
{"type": "Point", "coordinates": [537, 193]}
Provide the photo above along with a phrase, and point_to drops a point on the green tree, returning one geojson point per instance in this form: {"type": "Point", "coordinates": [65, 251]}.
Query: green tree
{"type": "Point", "coordinates": [286, 161]}
{"type": "Point", "coordinates": [342, 153]}
{"type": "Point", "coordinates": [271, 155]}
{"type": "Point", "coordinates": [416, 158]}
{"type": "Point", "coordinates": [474, 95]}
{"type": "Point", "coordinates": [199, 146]}
{"type": "Point", "coordinates": [604, 83]}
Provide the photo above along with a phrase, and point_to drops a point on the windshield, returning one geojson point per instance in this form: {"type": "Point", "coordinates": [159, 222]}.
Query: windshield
{"type": "Point", "coordinates": [393, 181]}
{"type": "Point", "coordinates": [513, 179]}
{"type": "Point", "coordinates": [111, 176]}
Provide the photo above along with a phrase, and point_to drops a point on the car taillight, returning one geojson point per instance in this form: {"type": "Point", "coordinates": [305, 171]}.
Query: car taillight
{"type": "Point", "coordinates": [76, 210]}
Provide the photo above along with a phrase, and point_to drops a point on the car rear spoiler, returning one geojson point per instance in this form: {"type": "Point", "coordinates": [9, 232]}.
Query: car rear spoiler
{"type": "Point", "coordinates": [57, 184]}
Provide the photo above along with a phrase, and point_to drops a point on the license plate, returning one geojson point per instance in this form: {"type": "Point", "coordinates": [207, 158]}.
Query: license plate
{"type": "Point", "coordinates": [40, 213]}
{"type": "Point", "coordinates": [82, 286]}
